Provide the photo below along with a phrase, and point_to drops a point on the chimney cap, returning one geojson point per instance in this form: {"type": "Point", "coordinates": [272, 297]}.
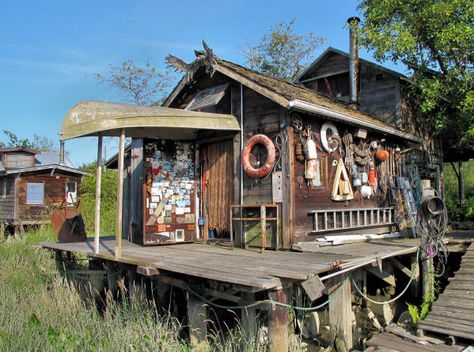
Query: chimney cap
{"type": "Point", "coordinates": [353, 19]}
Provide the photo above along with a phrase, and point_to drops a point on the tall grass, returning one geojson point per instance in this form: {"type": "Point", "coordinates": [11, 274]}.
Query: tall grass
{"type": "Point", "coordinates": [40, 311]}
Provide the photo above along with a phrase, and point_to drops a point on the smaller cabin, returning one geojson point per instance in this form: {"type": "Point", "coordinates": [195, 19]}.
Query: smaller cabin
{"type": "Point", "coordinates": [31, 181]}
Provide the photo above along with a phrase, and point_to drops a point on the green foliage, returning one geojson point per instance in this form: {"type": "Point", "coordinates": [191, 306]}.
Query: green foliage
{"type": "Point", "coordinates": [420, 313]}
{"type": "Point", "coordinates": [37, 142]}
{"type": "Point", "coordinates": [40, 311]}
{"type": "Point", "coordinates": [434, 39]}
{"type": "Point", "coordinates": [140, 85]}
{"type": "Point", "coordinates": [451, 197]}
{"type": "Point", "coordinates": [282, 53]}
{"type": "Point", "coordinates": [108, 202]}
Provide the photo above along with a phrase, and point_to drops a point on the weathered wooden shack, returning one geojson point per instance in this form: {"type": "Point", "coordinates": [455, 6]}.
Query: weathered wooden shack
{"type": "Point", "coordinates": [31, 182]}
{"type": "Point", "coordinates": [273, 167]}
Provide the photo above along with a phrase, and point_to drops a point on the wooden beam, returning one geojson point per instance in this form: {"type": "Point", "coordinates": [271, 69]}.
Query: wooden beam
{"type": "Point", "coordinates": [340, 309]}
{"type": "Point", "coordinates": [147, 271]}
{"type": "Point", "coordinates": [197, 319]}
{"type": "Point", "coordinates": [118, 223]}
{"type": "Point", "coordinates": [389, 278]}
{"type": "Point", "coordinates": [98, 183]}
{"type": "Point", "coordinates": [278, 323]}
{"type": "Point", "coordinates": [402, 267]}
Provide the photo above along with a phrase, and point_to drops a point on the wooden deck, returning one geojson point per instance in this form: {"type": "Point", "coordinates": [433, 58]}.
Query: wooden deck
{"type": "Point", "coordinates": [385, 342]}
{"type": "Point", "coordinates": [238, 266]}
{"type": "Point", "coordinates": [453, 312]}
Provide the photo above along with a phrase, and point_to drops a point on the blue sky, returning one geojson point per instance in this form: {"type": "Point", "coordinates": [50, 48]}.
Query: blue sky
{"type": "Point", "coordinates": [50, 50]}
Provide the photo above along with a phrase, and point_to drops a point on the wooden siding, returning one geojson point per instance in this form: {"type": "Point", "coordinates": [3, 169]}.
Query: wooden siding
{"type": "Point", "coordinates": [7, 198]}
{"type": "Point", "coordinates": [308, 198]}
{"type": "Point", "coordinates": [54, 194]}
{"type": "Point", "coordinates": [18, 160]}
{"type": "Point", "coordinates": [379, 94]}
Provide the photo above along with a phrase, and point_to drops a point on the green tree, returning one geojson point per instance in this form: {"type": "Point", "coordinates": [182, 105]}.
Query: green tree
{"type": "Point", "coordinates": [435, 40]}
{"type": "Point", "coordinates": [41, 143]}
{"type": "Point", "coordinates": [140, 85]}
{"type": "Point", "coordinates": [282, 53]}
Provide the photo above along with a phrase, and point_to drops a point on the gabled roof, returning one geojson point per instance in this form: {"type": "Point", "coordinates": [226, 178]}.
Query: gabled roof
{"type": "Point", "coordinates": [19, 149]}
{"type": "Point", "coordinates": [330, 50]}
{"type": "Point", "coordinates": [52, 167]}
{"type": "Point", "coordinates": [296, 97]}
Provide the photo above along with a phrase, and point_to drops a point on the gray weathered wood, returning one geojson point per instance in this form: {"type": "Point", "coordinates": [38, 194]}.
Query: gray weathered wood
{"type": "Point", "coordinates": [98, 183]}
{"type": "Point", "coordinates": [197, 320]}
{"type": "Point", "coordinates": [340, 309]}
{"type": "Point", "coordinates": [118, 223]}
{"type": "Point", "coordinates": [278, 323]}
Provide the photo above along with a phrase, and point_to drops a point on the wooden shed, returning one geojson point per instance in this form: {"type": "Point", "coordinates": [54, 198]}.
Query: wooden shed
{"type": "Point", "coordinates": [31, 182]}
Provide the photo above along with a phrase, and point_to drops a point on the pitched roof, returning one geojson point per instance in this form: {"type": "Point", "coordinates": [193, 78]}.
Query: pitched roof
{"type": "Point", "coordinates": [50, 158]}
{"type": "Point", "coordinates": [19, 149]}
{"type": "Point", "coordinates": [51, 167]}
{"type": "Point", "coordinates": [330, 50]}
{"type": "Point", "coordinates": [297, 97]}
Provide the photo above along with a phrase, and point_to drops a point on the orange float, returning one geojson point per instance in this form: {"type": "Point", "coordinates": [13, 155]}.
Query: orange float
{"type": "Point", "coordinates": [265, 169]}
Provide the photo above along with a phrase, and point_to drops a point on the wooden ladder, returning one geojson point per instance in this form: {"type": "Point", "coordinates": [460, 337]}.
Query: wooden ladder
{"type": "Point", "coordinates": [348, 219]}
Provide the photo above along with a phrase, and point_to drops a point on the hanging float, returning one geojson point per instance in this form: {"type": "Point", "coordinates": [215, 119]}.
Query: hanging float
{"type": "Point", "coordinates": [330, 138]}
{"type": "Point", "coordinates": [267, 167]}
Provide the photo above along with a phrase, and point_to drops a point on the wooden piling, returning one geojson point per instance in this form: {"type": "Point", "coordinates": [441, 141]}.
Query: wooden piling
{"type": "Point", "coordinates": [278, 323]}
{"type": "Point", "coordinates": [248, 315]}
{"type": "Point", "coordinates": [197, 319]}
{"type": "Point", "coordinates": [340, 309]}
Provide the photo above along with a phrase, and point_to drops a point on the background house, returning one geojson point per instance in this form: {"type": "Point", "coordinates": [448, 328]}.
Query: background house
{"type": "Point", "coordinates": [31, 181]}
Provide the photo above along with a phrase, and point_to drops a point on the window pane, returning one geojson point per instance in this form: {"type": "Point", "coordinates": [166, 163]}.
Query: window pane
{"type": "Point", "coordinates": [34, 193]}
{"type": "Point", "coordinates": [71, 186]}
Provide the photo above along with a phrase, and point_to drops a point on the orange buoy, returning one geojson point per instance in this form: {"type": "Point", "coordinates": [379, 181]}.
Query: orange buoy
{"type": "Point", "coordinates": [381, 155]}
{"type": "Point", "coordinates": [265, 169]}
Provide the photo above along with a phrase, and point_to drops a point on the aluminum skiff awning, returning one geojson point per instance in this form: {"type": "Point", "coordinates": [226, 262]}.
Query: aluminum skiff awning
{"type": "Point", "coordinates": [91, 118]}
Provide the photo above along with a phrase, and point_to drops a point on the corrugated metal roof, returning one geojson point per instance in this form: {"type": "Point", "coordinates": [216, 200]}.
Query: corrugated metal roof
{"type": "Point", "coordinates": [50, 158]}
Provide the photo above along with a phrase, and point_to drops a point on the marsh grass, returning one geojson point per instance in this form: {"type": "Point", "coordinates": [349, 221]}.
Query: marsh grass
{"type": "Point", "coordinates": [41, 311]}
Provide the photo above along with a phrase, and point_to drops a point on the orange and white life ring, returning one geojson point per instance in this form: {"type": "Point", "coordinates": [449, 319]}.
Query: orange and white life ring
{"type": "Point", "coordinates": [265, 169]}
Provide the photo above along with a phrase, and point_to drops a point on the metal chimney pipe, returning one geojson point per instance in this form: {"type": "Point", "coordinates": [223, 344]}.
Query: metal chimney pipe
{"type": "Point", "coordinates": [61, 153]}
{"type": "Point", "coordinates": [354, 62]}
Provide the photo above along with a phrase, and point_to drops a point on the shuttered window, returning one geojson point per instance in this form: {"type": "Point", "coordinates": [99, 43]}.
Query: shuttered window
{"type": "Point", "coordinates": [34, 193]}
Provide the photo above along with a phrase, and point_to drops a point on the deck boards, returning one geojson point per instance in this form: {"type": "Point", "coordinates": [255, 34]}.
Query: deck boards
{"type": "Point", "coordinates": [386, 341]}
{"type": "Point", "coordinates": [452, 314]}
{"type": "Point", "coordinates": [237, 266]}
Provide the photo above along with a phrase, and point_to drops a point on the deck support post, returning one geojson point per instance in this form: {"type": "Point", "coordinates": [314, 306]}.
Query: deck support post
{"type": "Point", "coordinates": [113, 277]}
{"type": "Point", "coordinates": [98, 182]}
{"type": "Point", "coordinates": [249, 316]}
{"type": "Point", "coordinates": [340, 309]}
{"type": "Point", "coordinates": [415, 270]}
{"type": "Point", "coordinates": [197, 319]}
{"type": "Point", "coordinates": [118, 223]}
{"type": "Point", "coordinates": [278, 323]}
{"type": "Point", "coordinates": [427, 277]}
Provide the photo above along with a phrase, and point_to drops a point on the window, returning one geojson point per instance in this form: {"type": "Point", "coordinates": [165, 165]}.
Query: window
{"type": "Point", "coordinates": [34, 193]}
{"type": "Point", "coordinates": [71, 192]}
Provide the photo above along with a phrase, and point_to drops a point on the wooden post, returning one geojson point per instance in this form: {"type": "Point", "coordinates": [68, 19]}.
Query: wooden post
{"type": "Point", "coordinates": [197, 320]}
{"type": "Point", "coordinates": [118, 223]}
{"type": "Point", "coordinates": [249, 316]}
{"type": "Point", "coordinates": [427, 277]}
{"type": "Point", "coordinates": [340, 309]}
{"type": "Point", "coordinates": [278, 323]}
{"type": "Point", "coordinates": [98, 182]}
{"type": "Point", "coordinates": [263, 227]}
{"type": "Point", "coordinates": [414, 266]}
